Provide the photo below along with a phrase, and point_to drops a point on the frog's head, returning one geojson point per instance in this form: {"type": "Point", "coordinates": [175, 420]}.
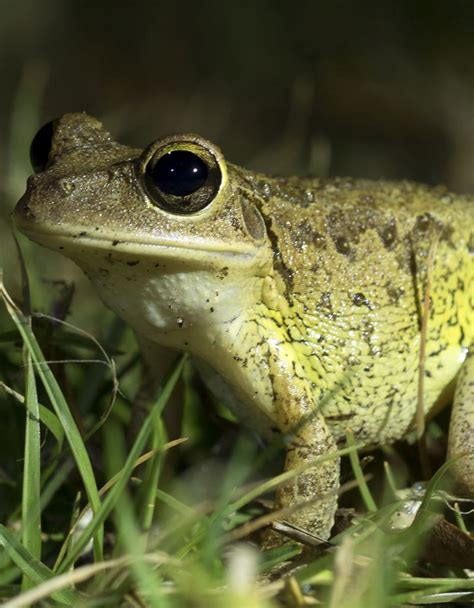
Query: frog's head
{"type": "Point", "coordinates": [164, 229]}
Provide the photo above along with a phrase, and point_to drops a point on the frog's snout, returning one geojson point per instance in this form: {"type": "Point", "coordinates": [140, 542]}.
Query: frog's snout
{"type": "Point", "coordinates": [23, 214]}
{"type": "Point", "coordinates": [28, 209]}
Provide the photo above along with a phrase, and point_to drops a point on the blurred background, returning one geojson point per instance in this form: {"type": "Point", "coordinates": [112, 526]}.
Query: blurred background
{"type": "Point", "coordinates": [379, 89]}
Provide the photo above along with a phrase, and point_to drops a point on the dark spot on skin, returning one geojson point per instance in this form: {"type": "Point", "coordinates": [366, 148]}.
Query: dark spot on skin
{"type": "Point", "coordinates": [115, 243]}
{"type": "Point", "coordinates": [342, 245]}
{"type": "Point", "coordinates": [447, 234]}
{"type": "Point", "coordinates": [428, 374]}
{"type": "Point", "coordinates": [157, 265]}
{"type": "Point", "coordinates": [83, 233]}
{"type": "Point", "coordinates": [211, 309]}
{"type": "Point", "coordinates": [347, 225]}
{"type": "Point", "coordinates": [453, 320]}
{"type": "Point", "coordinates": [318, 240]}
{"type": "Point", "coordinates": [340, 417]}
{"type": "Point", "coordinates": [394, 294]}
{"type": "Point", "coordinates": [388, 234]}
{"type": "Point", "coordinates": [134, 263]}
{"type": "Point", "coordinates": [325, 300]}
{"type": "Point", "coordinates": [470, 243]}
{"type": "Point", "coordinates": [358, 299]}
{"type": "Point", "coordinates": [26, 210]}
{"type": "Point", "coordinates": [423, 222]}
{"type": "Point", "coordinates": [367, 330]}
{"type": "Point", "coordinates": [304, 235]}
{"type": "Point", "coordinates": [61, 247]}
{"type": "Point", "coordinates": [235, 223]}
{"type": "Point", "coordinates": [279, 264]}
{"type": "Point", "coordinates": [223, 272]}
{"type": "Point", "coordinates": [427, 222]}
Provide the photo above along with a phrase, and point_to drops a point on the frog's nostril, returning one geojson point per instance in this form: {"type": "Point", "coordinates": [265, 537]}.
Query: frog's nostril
{"type": "Point", "coordinates": [22, 212]}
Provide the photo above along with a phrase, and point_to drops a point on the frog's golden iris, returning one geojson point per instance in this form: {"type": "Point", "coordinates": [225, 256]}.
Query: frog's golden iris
{"type": "Point", "coordinates": [300, 299]}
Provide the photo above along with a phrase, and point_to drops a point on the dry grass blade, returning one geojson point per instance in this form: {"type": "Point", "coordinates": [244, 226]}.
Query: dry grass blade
{"type": "Point", "coordinates": [79, 575]}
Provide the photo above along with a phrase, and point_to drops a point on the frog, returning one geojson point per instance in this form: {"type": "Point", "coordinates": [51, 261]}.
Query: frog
{"type": "Point", "coordinates": [313, 306]}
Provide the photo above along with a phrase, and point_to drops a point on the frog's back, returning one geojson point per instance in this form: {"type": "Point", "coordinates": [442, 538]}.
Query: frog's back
{"type": "Point", "coordinates": [356, 259]}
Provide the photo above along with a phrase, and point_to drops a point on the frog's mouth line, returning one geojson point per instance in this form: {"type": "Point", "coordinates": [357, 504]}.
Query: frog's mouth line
{"type": "Point", "coordinates": [135, 247]}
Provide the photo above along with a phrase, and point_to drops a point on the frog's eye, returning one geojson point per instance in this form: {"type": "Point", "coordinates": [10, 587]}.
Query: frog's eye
{"type": "Point", "coordinates": [183, 180]}
{"type": "Point", "coordinates": [41, 147]}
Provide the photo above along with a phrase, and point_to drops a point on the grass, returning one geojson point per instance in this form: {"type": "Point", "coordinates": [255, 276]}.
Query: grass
{"type": "Point", "coordinates": [78, 475]}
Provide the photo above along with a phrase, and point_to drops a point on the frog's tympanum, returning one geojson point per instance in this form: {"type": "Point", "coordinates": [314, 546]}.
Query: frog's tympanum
{"type": "Point", "coordinates": [309, 299]}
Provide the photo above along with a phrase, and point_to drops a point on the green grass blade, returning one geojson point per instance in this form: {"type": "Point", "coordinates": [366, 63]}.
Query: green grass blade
{"type": "Point", "coordinates": [31, 567]}
{"type": "Point", "coordinates": [31, 514]}
{"type": "Point", "coordinates": [129, 533]}
{"type": "Point", "coordinates": [284, 477]}
{"type": "Point", "coordinates": [359, 475]}
{"type": "Point", "coordinates": [62, 412]}
{"type": "Point", "coordinates": [47, 417]}
{"type": "Point", "coordinates": [459, 520]}
{"type": "Point", "coordinates": [147, 496]}
{"type": "Point", "coordinates": [112, 497]}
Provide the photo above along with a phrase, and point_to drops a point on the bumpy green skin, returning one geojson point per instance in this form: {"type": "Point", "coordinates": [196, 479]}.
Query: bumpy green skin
{"type": "Point", "coordinates": [306, 296]}
{"type": "Point", "coordinates": [353, 261]}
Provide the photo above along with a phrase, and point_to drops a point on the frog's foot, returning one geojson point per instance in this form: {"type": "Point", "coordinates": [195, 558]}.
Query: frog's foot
{"type": "Point", "coordinates": [309, 500]}
{"type": "Point", "coordinates": [461, 429]}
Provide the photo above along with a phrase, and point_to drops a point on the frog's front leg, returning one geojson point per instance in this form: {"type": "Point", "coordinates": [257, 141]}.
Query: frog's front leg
{"type": "Point", "coordinates": [309, 440]}
{"type": "Point", "coordinates": [461, 429]}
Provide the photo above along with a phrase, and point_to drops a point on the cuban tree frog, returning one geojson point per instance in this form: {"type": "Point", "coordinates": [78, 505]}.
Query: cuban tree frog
{"type": "Point", "coordinates": [305, 297]}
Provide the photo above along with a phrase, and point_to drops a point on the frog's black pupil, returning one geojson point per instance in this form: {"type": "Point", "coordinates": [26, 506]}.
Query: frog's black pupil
{"type": "Point", "coordinates": [179, 173]}
{"type": "Point", "coordinates": [41, 147]}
